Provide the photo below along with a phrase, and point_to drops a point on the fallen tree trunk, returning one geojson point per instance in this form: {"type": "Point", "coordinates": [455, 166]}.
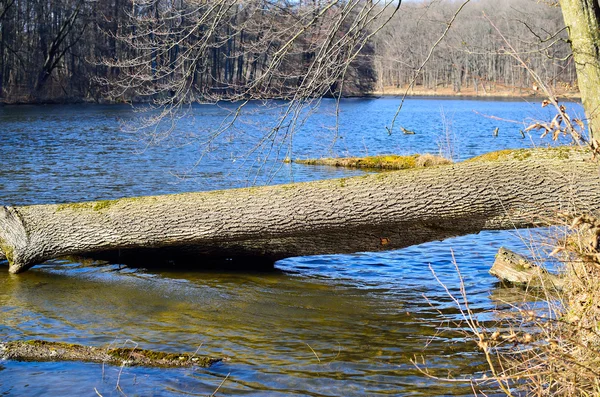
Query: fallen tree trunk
{"type": "Point", "coordinates": [39, 350]}
{"type": "Point", "coordinates": [367, 213]}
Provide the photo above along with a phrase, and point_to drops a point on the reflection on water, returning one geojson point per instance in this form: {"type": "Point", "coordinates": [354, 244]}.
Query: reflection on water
{"type": "Point", "coordinates": [339, 325]}
{"type": "Point", "coordinates": [78, 152]}
{"type": "Point", "coordinates": [366, 316]}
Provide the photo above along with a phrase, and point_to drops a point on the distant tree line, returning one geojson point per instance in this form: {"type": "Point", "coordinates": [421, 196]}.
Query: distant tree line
{"type": "Point", "coordinates": [473, 54]}
{"type": "Point", "coordinates": [135, 49]}
{"type": "Point", "coordinates": [67, 50]}
{"type": "Point", "coordinates": [48, 47]}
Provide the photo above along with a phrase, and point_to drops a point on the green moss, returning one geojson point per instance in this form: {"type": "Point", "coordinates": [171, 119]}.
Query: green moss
{"type": "Point", "coordinates": [40, 350]}
{"type": "Point", "coordinates": [494, 156]}
{"type": "Point", "coordinates": [386, 162]}
{"type": "Point", "coordinates": [95, 205]}
{"type": "Point", "coordinates": [74, 206]}
{"type": "Point", "coordinates": [522, 155]}
{"type": "Point", "coordinates": [7, 250]}
{"type": "Point", "coordinates": [252, 189]}
{"type": "Point", "coordinates": [563, 152]}
{"type": "Point", "coordinates": [157, 357]}
{"type": "Point", "coordinates": [49, 344]}
{"type": "Point", "coordinates": [100, 205]}
{"type": "Point", "coordinates": [92, 205]}
{"type": "Point", "coordinates": [560, 153]}
{"type": "Point", "coordinates": [125, 353]}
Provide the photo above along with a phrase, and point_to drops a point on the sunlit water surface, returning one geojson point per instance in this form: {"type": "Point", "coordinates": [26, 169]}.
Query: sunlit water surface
{"type": "Point", "coordinates": [339, 325]}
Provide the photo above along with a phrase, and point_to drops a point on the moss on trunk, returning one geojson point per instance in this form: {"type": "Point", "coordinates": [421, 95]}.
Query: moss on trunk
{"type": "Point", "coordinates": [40, 350]}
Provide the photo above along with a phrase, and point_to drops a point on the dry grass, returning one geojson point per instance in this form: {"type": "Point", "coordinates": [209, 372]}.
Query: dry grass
{"type": "Point", "coordinates": [567, 361]}
{"type": "Point", "coordinates": [386, 162]}
{"type": "Point", "coordinates": [550, 347]}
{"type": "Point", "coordinates": [498, 90]}
{"type": "Point", "coordinates": [549, 343]}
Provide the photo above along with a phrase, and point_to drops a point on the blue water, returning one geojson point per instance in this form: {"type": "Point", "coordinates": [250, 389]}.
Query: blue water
{"type": "Point", "coordinates": [80, 152]}
{"type": "Point", "coordinates": [339, 325]}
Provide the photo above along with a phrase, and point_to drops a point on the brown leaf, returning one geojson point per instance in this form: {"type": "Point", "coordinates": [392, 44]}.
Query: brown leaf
{"type": "Point", "coordinates": [535, 126]}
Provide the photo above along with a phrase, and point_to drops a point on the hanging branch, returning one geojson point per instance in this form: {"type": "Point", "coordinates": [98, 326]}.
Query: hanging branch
{"type": "Point", "coordinates": [420, 69]}
{"type": "Point", "coordinates": [562, 122]}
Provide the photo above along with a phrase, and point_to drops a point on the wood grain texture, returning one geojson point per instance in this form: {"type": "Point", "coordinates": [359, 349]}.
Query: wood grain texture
{"type": "Point", "coordinates": [368, 213]}
{"type": "Point", "coordinates": [516, 269]}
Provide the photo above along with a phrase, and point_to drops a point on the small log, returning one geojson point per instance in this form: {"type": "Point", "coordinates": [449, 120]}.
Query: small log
{"type": "Point", "coordinates": [40, 350]}
{"type": "Point", "coordinates": [516, 269]}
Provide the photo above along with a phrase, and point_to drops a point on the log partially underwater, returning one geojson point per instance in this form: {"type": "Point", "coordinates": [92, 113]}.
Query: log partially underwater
{"type": "Point", "coordinates": [40, 350]}
{"type": "Point", "coordinates": [367, 213]}
{"type": "Point", "coordinates": [512, 268]}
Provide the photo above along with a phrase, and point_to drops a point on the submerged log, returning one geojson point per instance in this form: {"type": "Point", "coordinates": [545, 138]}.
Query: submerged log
{"type": "Point", "coordinates": [385, 162]}
{"type": "Point", "coordinates": [392, 210]}
{"type": "Point", "coordinates": [516, 269]}
{"type": "Point", "coordinates": [39, 350]}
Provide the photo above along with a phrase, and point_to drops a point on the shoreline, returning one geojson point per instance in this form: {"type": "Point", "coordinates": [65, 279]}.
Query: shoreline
{"type": "Point", "coordinates": [466, 94]}
{"type": "Point", "coordinates": [507, 93]}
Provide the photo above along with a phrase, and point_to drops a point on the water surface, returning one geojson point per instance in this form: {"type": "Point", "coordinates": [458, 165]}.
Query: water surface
{"type": "Point", "coordinates": [338, 325]}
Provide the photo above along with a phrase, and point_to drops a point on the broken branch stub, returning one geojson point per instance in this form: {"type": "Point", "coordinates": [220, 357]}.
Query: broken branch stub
{"type": "Point", "coordinates": [515, 269]}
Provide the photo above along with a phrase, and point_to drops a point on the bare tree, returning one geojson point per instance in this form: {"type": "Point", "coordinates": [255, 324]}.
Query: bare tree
{"type": "Point", "coordinates": [190, 51]}
{"type": "Point", "coordinates": [582, 18]}
{"type": "Point", "coordinates": [471, 55]}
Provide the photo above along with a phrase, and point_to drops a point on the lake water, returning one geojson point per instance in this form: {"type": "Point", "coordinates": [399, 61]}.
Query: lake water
{"type": "Point", "coordinates": [339, 325]}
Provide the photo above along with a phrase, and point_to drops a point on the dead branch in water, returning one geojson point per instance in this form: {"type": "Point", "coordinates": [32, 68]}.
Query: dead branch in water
{"type": "Point", "coordinates": [40, 350]}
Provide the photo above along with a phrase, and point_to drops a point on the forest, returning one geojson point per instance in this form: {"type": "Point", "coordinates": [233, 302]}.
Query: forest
{"type": "Point", "coordinates": [131, 50]}
{"type": "Point", "coordinates": [474, 53]}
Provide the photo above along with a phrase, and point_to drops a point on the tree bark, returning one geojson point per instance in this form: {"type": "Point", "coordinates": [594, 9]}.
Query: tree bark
{"type": "Point", "coordinates": [582, 18]}
{"type": "Point", "coordinates": [515, 269]}
{"type": "Point", "coordinates": [367, 213]}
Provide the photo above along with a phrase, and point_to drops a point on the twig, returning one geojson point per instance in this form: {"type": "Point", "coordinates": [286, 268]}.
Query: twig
{"type": "Point", "coordinates": [220, 385]}
{"type": "Point", "coordinates": [420, 69]}
{"type": "Point", "coordinates": [578, 138]}
{"type": "Point", "coordinates": [314, 352]}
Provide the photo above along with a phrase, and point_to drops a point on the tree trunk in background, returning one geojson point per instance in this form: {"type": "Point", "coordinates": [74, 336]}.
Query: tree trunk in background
{"type": "Point", "coordinates": [582, 18]}
{"type": "Point", "coordinates": [367, 213]}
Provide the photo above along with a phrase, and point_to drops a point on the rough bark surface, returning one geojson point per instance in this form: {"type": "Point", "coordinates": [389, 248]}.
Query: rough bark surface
{"type": "Point", "coordinates": [368, 213]}
{"type": "Point", "coordinates": [582, 18]}
{"type": "Point", "coordinates": [515, 269]}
